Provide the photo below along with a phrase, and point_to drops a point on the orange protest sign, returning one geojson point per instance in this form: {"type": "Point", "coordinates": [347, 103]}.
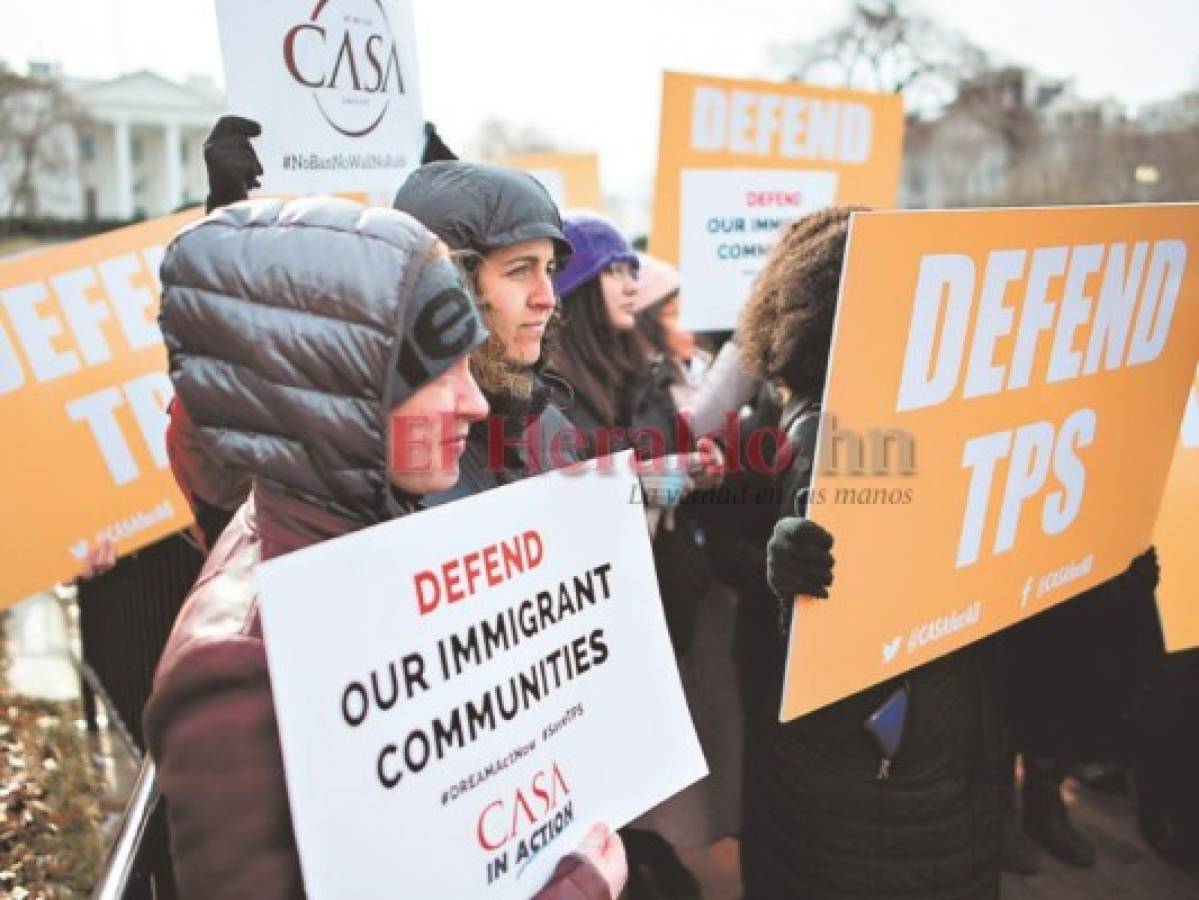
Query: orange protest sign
{"type": "Point", "coordinates": [739, 159]}
{"type": "Point", "coordinates": [1174, 537]}
{"type": "Point", "coordinates": [571, 178]}
{"type": "Point", "coordinates": [1003, 397]}
{"type": "Point", "coordinates": [83, 394]}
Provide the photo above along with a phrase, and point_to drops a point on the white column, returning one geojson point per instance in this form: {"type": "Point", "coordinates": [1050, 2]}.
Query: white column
{"type": "Point", "coordinates": [124, 185]}
{"type": "Point", "coordinates": [172, 169]}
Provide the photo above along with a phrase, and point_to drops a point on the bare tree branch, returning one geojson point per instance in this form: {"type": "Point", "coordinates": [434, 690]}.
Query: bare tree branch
{"type": "Point", "coordinates": [497, 138]}
{"type": "Point", "coordinates": [886, 46]}
{"type": "Point", "coordinates": [38, 123]}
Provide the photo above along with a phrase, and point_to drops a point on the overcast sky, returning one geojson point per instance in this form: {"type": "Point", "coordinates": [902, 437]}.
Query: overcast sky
{"type": "Point", "coordinates": [588, 73]}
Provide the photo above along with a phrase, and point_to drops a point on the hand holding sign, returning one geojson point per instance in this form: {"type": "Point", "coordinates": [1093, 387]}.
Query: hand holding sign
{"type": "Point", "coordinates": [799, 561]}
{"type": "Point", "coordinates": [335, 86]}
{"type": "Point", "coordinates": [602, 849]}
{"type": "Point", "coordinates": [233, 166]}
{"type": "Point", "coordinates": [489, 676]}
{"type": "Point", "coordinates": [707, 470]}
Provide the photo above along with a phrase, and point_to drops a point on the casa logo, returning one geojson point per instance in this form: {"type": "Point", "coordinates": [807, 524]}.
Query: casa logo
{"type": "Point", "coordinates": [346, 54]}
{"type": "Point", "coordinates": [542, 804]}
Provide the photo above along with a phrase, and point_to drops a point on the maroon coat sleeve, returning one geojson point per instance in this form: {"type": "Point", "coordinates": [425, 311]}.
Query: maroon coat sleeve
{"type": "Point", "coordinates": [211, 728]}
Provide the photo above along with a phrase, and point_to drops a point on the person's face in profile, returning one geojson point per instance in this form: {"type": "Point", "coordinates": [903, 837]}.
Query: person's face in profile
{"type": "Point", "coordinates": [428, 430]}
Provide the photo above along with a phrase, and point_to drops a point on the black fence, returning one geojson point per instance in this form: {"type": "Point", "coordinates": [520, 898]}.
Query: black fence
{"type": "Point", "coordinates": [125, 617]}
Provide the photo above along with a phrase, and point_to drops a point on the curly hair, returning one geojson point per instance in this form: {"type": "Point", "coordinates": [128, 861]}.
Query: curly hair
{"type": "Point", "coordinates": [786, 327]}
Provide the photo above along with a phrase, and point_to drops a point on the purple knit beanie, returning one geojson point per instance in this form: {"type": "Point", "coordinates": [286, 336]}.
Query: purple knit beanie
{"type": "Point", "coordinates": [597, 244]}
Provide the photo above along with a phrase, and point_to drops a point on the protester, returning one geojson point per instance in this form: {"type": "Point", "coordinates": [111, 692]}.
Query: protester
{"type": "Point", "coordinates": [1057, 705]}
{"type": "Point", "coordinates": [508, 234]}
{"type": "Point", "coordinates": [1165, 747]}
{"type": "Point", "coordinates": [214, 491]}
{"type": "Point", "coordinates": [619, 391]}
{"type": "Point", "coordinates": [248, 357]}
{"type": "Point", "coordinates": [621, 395]}
{"type": "Point", "coordinates": [657, 309]}
{"type": "Point", "coordinates": [598, 351]}
{"type": "Point", "coordinates": [709, 809]}
{"type": "Point", "coordinates": [828, 812]}
{"type": "Point", "coordinates": [1064, 709]}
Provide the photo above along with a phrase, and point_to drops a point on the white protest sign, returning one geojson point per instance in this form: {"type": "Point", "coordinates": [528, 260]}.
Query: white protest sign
{"type": "Point", "coordinates": [731, 220]}
{"type": "Point", "coordinates": [461, 693]}
{"type": "Point", "coordinates": [335, 86]}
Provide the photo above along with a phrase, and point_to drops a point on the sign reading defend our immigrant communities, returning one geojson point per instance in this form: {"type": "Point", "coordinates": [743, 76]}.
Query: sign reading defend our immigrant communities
{"type": "Point", "coordinates": [740, 159]}
{"type": "Point", "coordinates": [1026, 373]}
{"type": "Point", "coordinates": [572, 179]}
{"type": "Point", "coordinates": [335, 86]}
{"type": "Point", "coordinates": [1174, 537]}
{"type": "Point", "coordinates": [491, 685]}
{"type": "Point", "coordinates": [83, 398]}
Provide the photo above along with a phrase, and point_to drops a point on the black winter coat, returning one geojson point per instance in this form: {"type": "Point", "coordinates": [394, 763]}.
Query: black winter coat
{"type": "Point", "coordinates": [648, 421]}
{"type": "Point", "coordinates": [644, 404]}
{"type": "Point", "coordinates": [818, 822]}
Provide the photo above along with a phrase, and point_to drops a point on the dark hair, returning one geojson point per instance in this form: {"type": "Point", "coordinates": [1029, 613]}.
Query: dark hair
{"type": "Point", "coordinates": [649, 324]}
{"type": "Point", "coordinates": [786, 327]}
{"type": "Point", "coordinates": [592, 356]}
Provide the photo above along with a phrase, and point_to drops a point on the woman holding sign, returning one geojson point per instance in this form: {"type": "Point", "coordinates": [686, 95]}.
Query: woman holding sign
{"type": "Point", "coordinates": [622, 398]}
{"type": "Point", "coordinates": [303, 338]}
{"type": "Point", "coordinates": [507, 232]}
{"type": "Point", "coordinates": [599, 351]}
{"type": "Point", "coordinates": [891, 792]}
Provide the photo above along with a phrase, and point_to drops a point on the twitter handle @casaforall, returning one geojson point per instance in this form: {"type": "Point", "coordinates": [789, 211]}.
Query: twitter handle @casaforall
{"type": "Point", "coordinates": [126, 528]}
{"type": "Point", "coordinates": [943, 626]}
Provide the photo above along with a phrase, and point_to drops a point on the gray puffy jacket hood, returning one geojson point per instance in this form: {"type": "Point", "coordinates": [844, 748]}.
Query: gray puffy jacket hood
{"type": "Point", "coordinates": [294, 328]}
{"type": "Point", "coordinates": [480, 207]}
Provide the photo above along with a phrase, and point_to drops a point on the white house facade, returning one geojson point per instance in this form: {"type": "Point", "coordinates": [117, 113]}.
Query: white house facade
{"type": "Point", "coordinates": [137, 152]}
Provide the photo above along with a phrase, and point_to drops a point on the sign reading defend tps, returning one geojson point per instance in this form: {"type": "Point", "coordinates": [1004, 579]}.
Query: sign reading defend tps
{"type": "Point", "coordinates": [83, 397]}
{"type": "Point", "coordinates": [740, 159]}
{"type": "Point", "coordinates": [1003, 400]}
{"type": "Point", "coordinates": [490, 685]}
{"type": "Point", "coordinates": [335, 86]}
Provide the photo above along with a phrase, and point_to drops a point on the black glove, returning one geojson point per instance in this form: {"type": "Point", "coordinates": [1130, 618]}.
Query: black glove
{"type": "Point", "coordinates": [435, 148]}
{"type": "Point", "coordinates": [1145, 571]}
{"type": "Point", "coordinates": [233, 166]}
{"type": "Point", "coordinates": [798, 560]}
